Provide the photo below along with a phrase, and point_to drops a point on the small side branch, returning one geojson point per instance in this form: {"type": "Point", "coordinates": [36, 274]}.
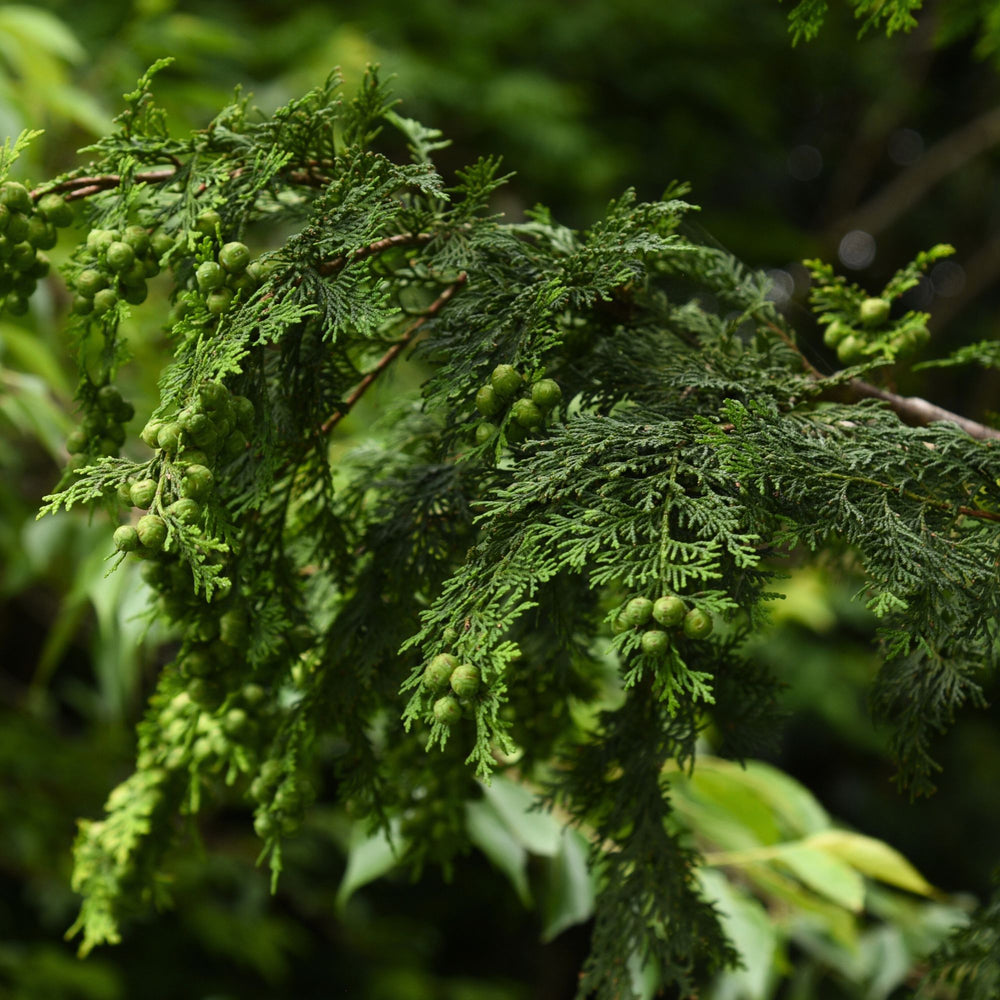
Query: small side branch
{"type": "Point", "coordinates": [919, 411]}
{"type": "Point", "coordinates": [387, 359]}
{"type": "Point", "coordinates": [83, 187]}
{"type": "Point", "coordinates": [399, 240]}
{"type": "Point", "coordinates": [911, 409]}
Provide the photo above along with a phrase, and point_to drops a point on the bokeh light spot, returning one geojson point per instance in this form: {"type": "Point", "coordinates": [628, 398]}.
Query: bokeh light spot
{"type": "Point", "coordinates": [857, 249]}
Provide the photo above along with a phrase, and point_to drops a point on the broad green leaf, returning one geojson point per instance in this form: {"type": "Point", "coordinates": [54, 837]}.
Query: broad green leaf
{"type": "Point", "coordinates": [717, 824]}
{"type": "Point", "coordinates": [492, 836]}
{"type": "Point", "coordinates": [796, 805]}
{"type": "Point", "coordinates": [888, 959]}
{"type": "Point", "coordinates": [751, 931]}
{"type": "Point", "coordinates": [568, 897]}
{"type": "Point", "coordinates": [727, 790]}
{"type": "Point", "coordinates": [535, 829]}
{"type": "Point", "coordinates": [801, 906]}
{"type": "Point", "coordinates": [873, 858]}
{"type": "Point", "coordinates": [792, 802]}
{"type": "Point", "coordinates": [28, 26]}
{"type": "Point", "coordinates": [825, 874]}
{"type": "Point", "coordinates": [29, 353]}
{"type": "Point", "coordinates": [369, 857]}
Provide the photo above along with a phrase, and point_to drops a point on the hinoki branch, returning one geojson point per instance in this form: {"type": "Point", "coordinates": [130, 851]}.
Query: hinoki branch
{"type": "Point", "coordinates": [387, 359]}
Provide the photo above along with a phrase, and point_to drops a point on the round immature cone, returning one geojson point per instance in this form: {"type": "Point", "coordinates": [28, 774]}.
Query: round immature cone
{"type": "Point", "coordinates": [18, 227]}
{"type": "Point", "coordinates": [186, 510]}
{"type": "Point", "coordinates": [168, 436]}
{"type": "Point", "coordinates": [152, 531]}
{"type": "Point", "coordinates": [197, 482]}
{"type": "Point", "coordinates": [669, 610]}
{"type": "Point", "coordinates": [655, 642]}
{"type": "Point", "coordinates": [135, 295]}
{"type": "Point", "coordinates": [218, 302]}
{"type": "Point", "coordinates": [141, 493]}
{"type": "Point", "coordinates": [90, 282]}
{"type": "Point", "coordinates": [546, 393]}
{"type": "Point", "coordinates": [619, 625]}
{"type": "Point", "coordinates": [234, 257]}
{"type": "Point", "coordinates": [150, 432]}
{"type": "Point", "coordinates": [120, 256]}
{"type": "Point", "coordinates": [98, 240]}
{"type": "Point", "coordinates": [16, 304]}
{"type": "Point", "coordinates": [109, 398]}
{"type": "Point", "coordinates": [76, 441]}
{"type": "Point", "coordinates": [485, 433]}
{"type": "Point", "coordinates": [209, 276]}
{"type": "Point", "coordinates": [506, 381]}
{"type": "Point", "coordinates": [243, 411]}
{"type": "Point", "coordinates": [15, 196]}
{"type": "Point", "coordinates": [104, 301]}
{"type": "Point", "coordinates": [207, 222]}
{"type": "Point", "coordinates": [488, 402]}
{"type": "Point", "coordinates": [437, 673]}
{"type": "Point", "coordinates": [447, 710]}
{"type": "Point", "coordinates": [213, 395]}
{"type": "Point", "coordinates": [56, 209]}
{"type": "Point", "coordinates": [126, 538]}
{"type": "Point", "coordinates": [638, 611]}
{"type": "Point", "coordinates": [41, 234]}
{"type": "Point", "coordinates": [850, 349]}
{"type": "Point", "coordinates": [698, 624]}
{"type": "Point", "coordinates": [137, 238]}
{"type": "Point", "coordinates": [465, 680]}
{"type": "Point", "coordinates": [874, 312]}
{"type": "Point", "coordinates": [160, 244]}
{"type": "Point", "coordinates": [233, 628]}
{"type": "Point", "coordinates": [23, 256]}
{"type": "Point", "coordinates": [836, 332]}
{"type": "Point", "coordinates": [527, 414]}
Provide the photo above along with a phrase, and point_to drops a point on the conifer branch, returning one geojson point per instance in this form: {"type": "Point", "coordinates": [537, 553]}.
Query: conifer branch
{"type": "Point", "coordinates": [911, 409]}
{"type": "Point", "coordinates": [919, 411]}
{"type": "Point", "coordinates": [386, 360]}
{"type": "Point", "coordinates": [399, 240]}
{"type": "Point", "coordinates": [82, 187]}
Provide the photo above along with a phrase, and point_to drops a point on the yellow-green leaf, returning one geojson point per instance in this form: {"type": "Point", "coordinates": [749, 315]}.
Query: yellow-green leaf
{"type": "Point", "coordinates": [873, 858]}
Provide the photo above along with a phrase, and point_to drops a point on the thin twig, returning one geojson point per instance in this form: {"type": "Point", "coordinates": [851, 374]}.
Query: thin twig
{"type": "Point", "coordinates": [82, 187]}
{"type": "Point", "coordinates": [399, 240]}
{"type": "Point", "coordinates": [912, 409]}
{"type": "Point", "coordinates": [391, 355]}
{"type": "Point", "coordinates": [920, 411]}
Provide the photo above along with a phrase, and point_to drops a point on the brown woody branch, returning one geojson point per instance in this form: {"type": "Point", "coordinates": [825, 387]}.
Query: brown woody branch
{"type": "Point", "coordinates": [399, 240]}
{"type": "Point", "coordinates": [915, 410]}
{"type": "Point", "coordinates": [387, 359]}
{"type": "Point", "coordinates": [912, 409]}
{"type": "Point", "coordinates": [83, 187]}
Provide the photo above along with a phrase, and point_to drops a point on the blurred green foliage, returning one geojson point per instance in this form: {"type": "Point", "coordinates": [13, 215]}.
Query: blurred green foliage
{"type": "Point", "coordinates": [788, 149]}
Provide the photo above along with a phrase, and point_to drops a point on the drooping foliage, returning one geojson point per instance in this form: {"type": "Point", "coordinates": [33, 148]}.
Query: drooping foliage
{"type": "Point", "coordinates": [615, 448]}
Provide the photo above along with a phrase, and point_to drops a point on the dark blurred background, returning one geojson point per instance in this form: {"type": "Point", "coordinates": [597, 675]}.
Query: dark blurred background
{"type": "Point", "coordinates": [862, 152]}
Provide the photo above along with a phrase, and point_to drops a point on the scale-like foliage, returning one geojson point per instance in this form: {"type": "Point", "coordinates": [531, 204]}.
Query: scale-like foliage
{"type": "Point", "coordinates": [552, 553]}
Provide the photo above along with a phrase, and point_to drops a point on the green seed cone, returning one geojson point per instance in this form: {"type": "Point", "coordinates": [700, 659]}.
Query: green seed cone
{"type": "Point", "coordinates": [698, 624]}
{"type": "Point", "coordinates": [638, 611]}
{"type": "Point", "coordinates": [465, 680]}
{"type": "Point", "coordinates": [655, 642]}
{"type": "Point", "coordinates": [669, 610]}
{"type": "Point", "coordinates": [152, 531]}
{"type": "Point", "coordinates": [506, 381]}
{"type": "Point", "coordinates": [447, 710]}
{"type": "Point", "coordinates": [438, 672]}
